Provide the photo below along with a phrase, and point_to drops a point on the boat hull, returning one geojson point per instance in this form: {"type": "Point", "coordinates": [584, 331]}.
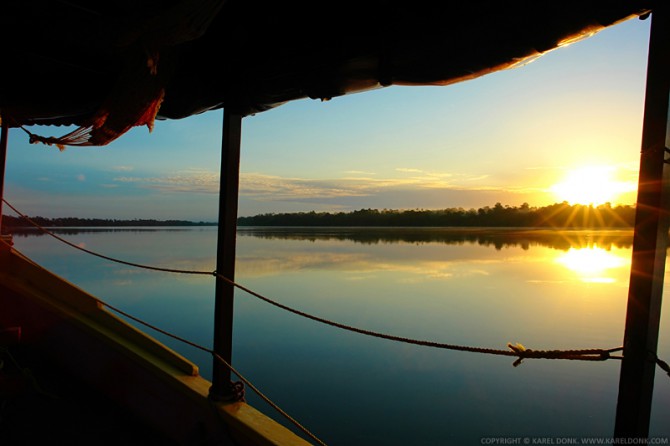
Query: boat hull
{"type": "Point", "coordinates": [71, 330]}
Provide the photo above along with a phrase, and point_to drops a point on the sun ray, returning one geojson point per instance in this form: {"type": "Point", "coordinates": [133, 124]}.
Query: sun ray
{"type": "Point", "coordinates": [591, 185]}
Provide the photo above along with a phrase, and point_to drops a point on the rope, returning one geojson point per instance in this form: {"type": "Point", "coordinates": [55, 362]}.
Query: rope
{"type": "Point", "coordinates": [662, 364]}
{"type": "Point", "coordinates": [515, 350]}
{"type": "Point", "coordinates": [222, 361]}
{"type": "Point", "coordinates": [26, 372]}
{"type": "Point", "coordinates": [171, 335]}
{"type": "Point", "coordinates": [78, 137]}
{"type": "Point", "coordinates": [111, 259]}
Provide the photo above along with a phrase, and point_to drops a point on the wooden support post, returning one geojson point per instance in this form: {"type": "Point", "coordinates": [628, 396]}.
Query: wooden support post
{"type": "Point", "coordinates": [650, 242]}
{"type": "Point", "coordinates": [222, 389]}
{"type": "Point", "coordinates": [4, 136]}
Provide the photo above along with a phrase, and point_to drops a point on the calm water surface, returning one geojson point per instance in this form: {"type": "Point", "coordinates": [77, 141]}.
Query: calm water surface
{"type": "Point", "coordinates": [545, 290]}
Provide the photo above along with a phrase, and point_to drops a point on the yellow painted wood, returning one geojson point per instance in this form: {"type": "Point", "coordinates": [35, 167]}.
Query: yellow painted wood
{"type": "Point", "coordinates": [74, 306]}
{"type": "Point", "coordinates": [31, 279]}
{"type": "Point", "coordinates": [257, 428]}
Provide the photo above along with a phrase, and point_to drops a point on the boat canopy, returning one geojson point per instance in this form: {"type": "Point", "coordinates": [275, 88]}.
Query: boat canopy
{"type": "Point", "coordinates": [107, 66]}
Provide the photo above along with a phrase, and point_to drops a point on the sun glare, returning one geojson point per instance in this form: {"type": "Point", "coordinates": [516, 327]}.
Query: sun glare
{"type": "Point", "coordinates": [592, 264]}
{"type": "Point", "coordinates": [594, 185]}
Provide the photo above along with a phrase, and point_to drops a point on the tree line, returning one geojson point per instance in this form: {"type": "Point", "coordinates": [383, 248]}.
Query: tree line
{"type": "Point", "coordinates": [558, 215]}
{"type": "Point", "coordinates": [9, 221]}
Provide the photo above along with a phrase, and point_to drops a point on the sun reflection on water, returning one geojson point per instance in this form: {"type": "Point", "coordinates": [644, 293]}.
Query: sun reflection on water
{"type": "Point", "coordinates": [593, 264]}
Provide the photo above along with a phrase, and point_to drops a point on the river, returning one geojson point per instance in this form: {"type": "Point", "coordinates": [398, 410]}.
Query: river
{"type": "Point", "coordinates": [476, 288]}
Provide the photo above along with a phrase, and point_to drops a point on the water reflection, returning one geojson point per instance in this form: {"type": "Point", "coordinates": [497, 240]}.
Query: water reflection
{"type": "Point", "coordinates": [498, 238]}
{"type": "Point", "coordinates": [594, 264]}
{"type": "Point", "coordinates": [34, 232]}
{"type": "Point", "coordinates": [417, 254]}
{"type": "Point", "coordinates": [474, 287]}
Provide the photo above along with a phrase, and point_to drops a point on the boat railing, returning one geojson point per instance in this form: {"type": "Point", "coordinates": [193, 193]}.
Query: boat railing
{"type": "Point", "coordinates": [516, 350]}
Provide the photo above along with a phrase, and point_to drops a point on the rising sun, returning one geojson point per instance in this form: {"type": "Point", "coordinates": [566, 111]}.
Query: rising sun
{"type": "Point", "coordinates": [594, 185]}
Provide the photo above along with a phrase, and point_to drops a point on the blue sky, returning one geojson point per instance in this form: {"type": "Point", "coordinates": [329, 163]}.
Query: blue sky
{"type": "Point", "coordinates": [508, 137]}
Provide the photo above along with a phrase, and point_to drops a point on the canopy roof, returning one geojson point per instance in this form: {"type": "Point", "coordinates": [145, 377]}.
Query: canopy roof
{"type": "Point", "coordinates": [106, 66]}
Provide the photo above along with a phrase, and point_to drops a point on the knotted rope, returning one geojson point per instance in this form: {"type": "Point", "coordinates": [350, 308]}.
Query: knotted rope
{"type": "Point", "coordinates": [515, 350]}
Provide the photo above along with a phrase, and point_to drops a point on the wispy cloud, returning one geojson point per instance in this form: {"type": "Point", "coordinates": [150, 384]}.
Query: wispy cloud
{"type": "Point", "coordinates": [273, 187]}
{"type": "Point", "coordinates": [268, 187]}
{"type": "Point", "coordinates": [406, 188]}
{"type": "Point", "coordinates": [190, 180]}
{"type": "Point", "coordinates": [280, 188]}
{"type": "Point", "coordinates": [358, 172]}
{"type": "Point", "coordinates": [478, 178]}
{"type": "Point", "coordinates": [122, 168]}
{"type": "Point", "coordinates": [429, 178]}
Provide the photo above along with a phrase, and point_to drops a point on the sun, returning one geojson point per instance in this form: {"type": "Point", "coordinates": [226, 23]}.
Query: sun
{"type": "Point", "coordinates": [593, 185]}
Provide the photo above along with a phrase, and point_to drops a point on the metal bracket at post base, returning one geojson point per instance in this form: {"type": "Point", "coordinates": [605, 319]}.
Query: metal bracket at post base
{"type": "Point", "coordinates": [231, 392]}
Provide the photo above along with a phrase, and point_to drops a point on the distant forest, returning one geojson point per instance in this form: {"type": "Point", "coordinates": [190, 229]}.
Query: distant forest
{"type": "Point", "coordinates": [9, 221]}
{"type": "Point", "coordinates": [559, 215]}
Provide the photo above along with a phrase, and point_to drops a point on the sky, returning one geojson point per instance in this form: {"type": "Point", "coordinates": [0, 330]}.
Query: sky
{"type": "Point", "coordinates": [566, 127]}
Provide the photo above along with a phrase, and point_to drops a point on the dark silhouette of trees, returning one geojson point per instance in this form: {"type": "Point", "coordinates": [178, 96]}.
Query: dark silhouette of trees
{"type": "Point", "coordinates": [10, 222]}
{"type": "Point", "coordinates": [558, 215]}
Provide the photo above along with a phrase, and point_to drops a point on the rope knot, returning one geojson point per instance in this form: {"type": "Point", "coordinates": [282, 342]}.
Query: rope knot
{"type": "Point", "coordinates": [521, 352]}
{"type": "Point", "coordinates": [662, 364]}
{"type": "Point", "coordinates": [519, 349]}
{"type": "Point", "coordinates": [238, 390]}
